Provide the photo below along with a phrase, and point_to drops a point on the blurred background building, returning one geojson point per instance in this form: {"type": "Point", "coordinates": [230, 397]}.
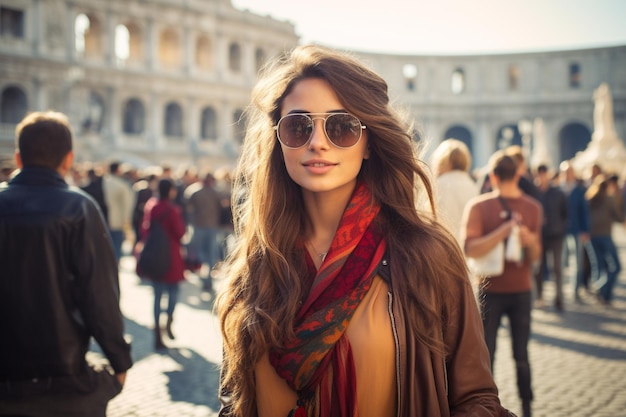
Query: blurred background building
{"type": "Point", "coordinates": [168, 81]}
{"type": "Point", "coordinates": [143, 81]}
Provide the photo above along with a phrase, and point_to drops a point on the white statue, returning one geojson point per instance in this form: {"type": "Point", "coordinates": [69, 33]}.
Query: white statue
{"type": "Point", "coordinates": [541, 154]}
{"type": "Point", "coordinates": [604, 127]}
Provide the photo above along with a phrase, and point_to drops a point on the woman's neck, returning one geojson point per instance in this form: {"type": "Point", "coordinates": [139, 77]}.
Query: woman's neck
{"type": "Point", "coordinates": [324, 211]}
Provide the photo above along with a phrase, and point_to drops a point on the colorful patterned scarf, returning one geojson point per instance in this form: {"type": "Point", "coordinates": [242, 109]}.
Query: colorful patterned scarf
{"type": "Point", "coordinates": [318, 361]}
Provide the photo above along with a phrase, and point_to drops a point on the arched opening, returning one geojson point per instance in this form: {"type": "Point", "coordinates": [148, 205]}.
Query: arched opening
{"type": "Point", "coordinates": [234, 57]}
{"type": "Point", "coordinates": [135, 42]}
{"type": "Point", "coordinates": [208, 124]}
{"type": "Point", "coordinates": [133, 117]}
{"type": "Point", "coordinates": [409, 71]}
{"type": "Point", "coordinates": [173, 123]}
{"type": "Point", "coordinates": [88, 36]}
{"type": "Point", "coordinates": [122, 44]}
{"type": "Point", "coordinates": [169, 49]}
{"type": "Point", "coordinates": [204, 55]}
{"type": "Point", "coordinates": [14, 105]}
{"type": "Point", "coordinates": [457, 81]}
{"type": "Point", "coordinates": [11, 22]}
{"type": "Point", "coordinates": [573, 137]}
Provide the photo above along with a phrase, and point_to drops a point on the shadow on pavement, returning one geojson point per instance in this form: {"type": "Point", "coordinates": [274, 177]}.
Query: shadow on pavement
{"type": "Point", "coordinates": [196, 382]}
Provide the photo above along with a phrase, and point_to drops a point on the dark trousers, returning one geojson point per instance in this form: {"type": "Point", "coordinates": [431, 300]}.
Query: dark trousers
{"type": "Point", "coordinates": [552, 249]}
{"type": "Point", "coordinates": [58, 397]}
{"type": "Point", "coordinates": [517, 308]}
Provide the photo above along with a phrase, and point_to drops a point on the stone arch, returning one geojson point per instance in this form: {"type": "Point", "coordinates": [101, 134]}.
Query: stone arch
{"type": "Point", "coordinates": [134, 116]}
{"type": "Point", "coordinates": [173, 121]}
{"type": "Point", "coordinates": [169, 48]}
{"type": "Point", "coordinates": [208, 124]}
{"type": "Point", "coordinates": [573, 137]}
{"type": "Point", "coordinates": [88, 36]}
{"type": "Point", "coordinates": [457, 81]}
{"type": "Point", "coordinates": [13, 105]}
{"type": "Point", "coordinates": [12, 22]}
{"type": "Point", "coordinates": [234, 57]}
{"type": "Point", "coordinates": [409, 72]}
{"type": "Point", "coordinates": [204, 53]}
{"type": "Point", "coordinates": [135, 42]}
{"type": "Point", "coordinates": [122, 43]}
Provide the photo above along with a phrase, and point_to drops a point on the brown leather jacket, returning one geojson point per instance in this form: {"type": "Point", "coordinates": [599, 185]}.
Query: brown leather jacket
{"type": "Point", "coordinates": [460, 384]}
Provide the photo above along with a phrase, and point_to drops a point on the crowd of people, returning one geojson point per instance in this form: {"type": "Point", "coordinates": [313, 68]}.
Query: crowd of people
{"type": "Point", "coordinates": [344, 296]}
{"type": "Point", "coordinates": [553, 216]}
{"type": "Point", "coordinates": [193, 210]}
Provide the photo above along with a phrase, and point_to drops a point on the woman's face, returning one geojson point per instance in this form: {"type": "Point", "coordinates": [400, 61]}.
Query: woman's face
{"type": "Point", "coordinates": [319, 165]}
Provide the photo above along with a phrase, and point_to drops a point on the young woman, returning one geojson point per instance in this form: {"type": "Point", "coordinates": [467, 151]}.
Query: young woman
{"type": "Point", "coordinates": [343, 299]}
{"type": "Point", "coordinates": [168, 214]}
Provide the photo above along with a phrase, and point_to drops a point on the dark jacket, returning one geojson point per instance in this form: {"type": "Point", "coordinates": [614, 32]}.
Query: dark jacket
{"type": "Point", "coordinates": [59, 282]}
{"type": "Point", "coordinates": [555, 212]}
{"type": "Point", "coordinates": [578, 210]}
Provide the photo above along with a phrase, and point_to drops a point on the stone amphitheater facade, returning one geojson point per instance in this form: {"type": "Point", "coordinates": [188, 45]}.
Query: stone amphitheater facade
{"type": "Point", "coordinates": [153, 82]}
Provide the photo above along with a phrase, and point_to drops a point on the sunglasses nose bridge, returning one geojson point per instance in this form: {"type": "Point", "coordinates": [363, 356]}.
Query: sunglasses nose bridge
{"type": "Point", "coordinates": [318, 131]}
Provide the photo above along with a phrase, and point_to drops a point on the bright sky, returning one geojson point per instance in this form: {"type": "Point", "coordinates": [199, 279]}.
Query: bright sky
{"type": "Point", "coordinates": [451, 26]}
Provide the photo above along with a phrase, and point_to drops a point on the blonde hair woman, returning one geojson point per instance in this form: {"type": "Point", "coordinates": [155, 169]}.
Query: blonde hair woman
{"type": "Point", "coordinates": [454, 186]}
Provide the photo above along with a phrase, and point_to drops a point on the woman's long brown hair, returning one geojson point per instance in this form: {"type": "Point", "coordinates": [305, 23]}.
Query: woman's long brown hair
{"type": "Point", "coordinates": [258, 308]}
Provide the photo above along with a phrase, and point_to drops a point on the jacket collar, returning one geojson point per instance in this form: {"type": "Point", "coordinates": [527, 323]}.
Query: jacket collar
{"type": "Point", "coordinates": [38, 176]}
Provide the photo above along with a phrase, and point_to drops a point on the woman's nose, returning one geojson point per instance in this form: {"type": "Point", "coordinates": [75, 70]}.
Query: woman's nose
{"type": "Point", "coordinates": [318, 136]}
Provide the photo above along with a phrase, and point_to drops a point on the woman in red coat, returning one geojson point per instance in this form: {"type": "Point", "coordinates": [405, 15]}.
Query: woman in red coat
{"type": "Point", "coordinates": [169, 216]}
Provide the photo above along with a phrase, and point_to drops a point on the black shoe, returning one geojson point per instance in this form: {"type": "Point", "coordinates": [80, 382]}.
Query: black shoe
{"type": "Point", "coordinates": [158, 340]}
{"type": "Point", "coordinates": [168, 328]}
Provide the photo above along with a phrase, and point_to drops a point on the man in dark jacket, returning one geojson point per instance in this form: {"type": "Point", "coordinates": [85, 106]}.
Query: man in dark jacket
{"type": "Point", "coordinates": [578, 225]}
{"type": "Point", "coordinates": [554, 203]}
{"type": "Point", "coordinates": [59, 284]}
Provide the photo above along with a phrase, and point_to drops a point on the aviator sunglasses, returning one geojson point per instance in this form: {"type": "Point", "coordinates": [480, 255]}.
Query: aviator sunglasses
{"type": "Point", "coordinates": [296, 129]}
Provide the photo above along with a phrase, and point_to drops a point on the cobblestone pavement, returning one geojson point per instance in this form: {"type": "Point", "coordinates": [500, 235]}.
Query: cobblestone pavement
{"type": "Point", "coordinates": [578, 357]}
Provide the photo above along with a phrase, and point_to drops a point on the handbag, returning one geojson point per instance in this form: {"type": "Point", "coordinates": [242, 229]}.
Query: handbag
{"type": "Point", "coordinates": [490, 264]}
{"type": "Point", "coordinates": [154, 259]}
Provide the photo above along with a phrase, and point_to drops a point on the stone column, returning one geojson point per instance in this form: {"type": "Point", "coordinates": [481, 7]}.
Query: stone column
{"type": "Point", "coordinates": [71, 33]}
{"type": "Point", "coordinates": [112, 123]}
{"type": "Point", "coordinates": [153, 129]}
{"type": "Point", "coordinates": [36, 28]}
{"type": "Point", "coordinates": [149, 45]}
{"type": "Point", "coordinates": [188, 51]}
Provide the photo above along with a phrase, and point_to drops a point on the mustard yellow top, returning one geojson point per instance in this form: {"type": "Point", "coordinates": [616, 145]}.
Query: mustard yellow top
{"type": "Point", "coordinates": [371, 339]}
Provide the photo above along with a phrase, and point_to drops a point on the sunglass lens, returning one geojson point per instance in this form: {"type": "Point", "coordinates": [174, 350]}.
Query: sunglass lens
{"type": "Point", "coordinates": [294, 130]}
{"type": "Point", "coordinates": [343, 130]}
